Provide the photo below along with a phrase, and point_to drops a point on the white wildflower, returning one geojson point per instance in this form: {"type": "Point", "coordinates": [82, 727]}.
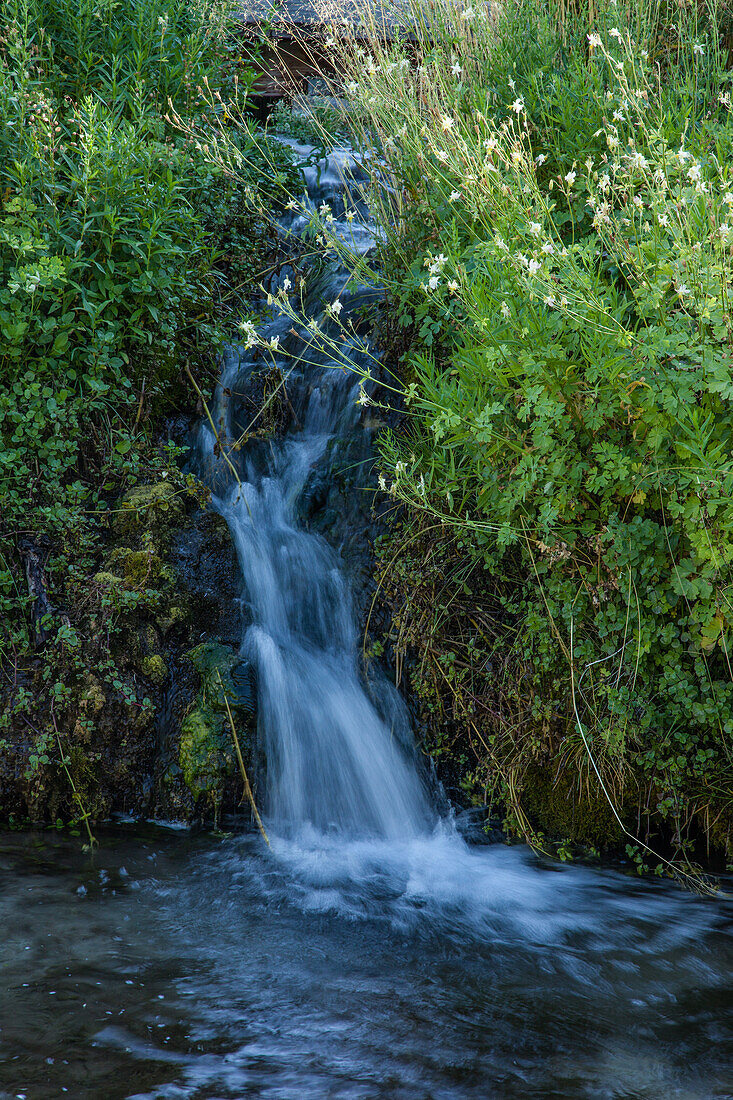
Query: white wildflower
{"type": "Point", "coordinates": [698, 50]}
{"type": "Point", "coordinates": [548, 248]}
{"type": "Point", "coordinates": [382, 483]}
{"type": "Point", "coordinates": [694, 173]}
{"type": "Point", "coordinates": [453, 286]}
{"type": "Point", "coordinates": [663, 220]}
{"type": "Point", "coordinates": [433, 282]}
{"type": "Point", "coordinates": [540, 159]}
{"type": "Point", "coordinates": [535, 229]}
{"type": "Point", "coordinates": [616, 33]}
{"type": "Point", "coordinates": [550, 301]}
{"type": "Point", "coordinates": [456, 69]}
{"type": "Point", "coordinates": [363, 398]}
{"type": "Point", "coordinates": [505, 311]}
{"type": "Point", "coordinates": [454, 196]}
{"type": "Point", "coordinates": [570, 177]}
{"type": "Point", "coordinates": [533, 267]}
{"type": "Point", "coordinates": [594, 40]}
{"type": "Point", "coordinates": [447, 123]}
{"type": "Point", "coordinates": [274, 342]}
{"type": "Point", "coordinates": [336, 307]}
{"type": "Point", "coordinates": [518, 105]}
{"type": "Point", "coordinates": [286, 283]}
{"type": "Point", "coordinates": [724, 230]}
{"type": "Point", "coordinates": [682, 290]}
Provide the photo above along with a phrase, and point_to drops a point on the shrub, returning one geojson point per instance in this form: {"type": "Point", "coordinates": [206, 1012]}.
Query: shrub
{"type": "Point", "coordinates": [557, 210]}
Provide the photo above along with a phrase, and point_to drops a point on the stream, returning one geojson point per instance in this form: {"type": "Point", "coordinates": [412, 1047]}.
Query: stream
{"type": "Point", "coordinates": [378, 949]}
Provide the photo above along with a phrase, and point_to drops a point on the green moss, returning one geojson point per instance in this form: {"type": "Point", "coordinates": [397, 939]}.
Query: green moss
{"type": "Point", "coordinates": [214, 663]}
{"type": "Point", "coordinates": [204, 754]}
{"type": "Point", "coordinates": [171, 617]}
{"type": "Point", "coordinates": [153, 508]}
{"type": "Point", "coordinates": [107, 579]}
{"type": "Point", "coordinates": [155, 668]}
{"type": "Point", "coordinates": [140, 568]}
{"type": "Point", "coordinates": [558, 808]}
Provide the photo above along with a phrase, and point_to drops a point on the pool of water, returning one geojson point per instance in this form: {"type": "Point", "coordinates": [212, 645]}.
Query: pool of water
{"type": "Point", "coordinates": [170, 965]}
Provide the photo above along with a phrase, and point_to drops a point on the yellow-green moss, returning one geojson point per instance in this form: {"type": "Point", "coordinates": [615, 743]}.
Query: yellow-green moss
{"type": "Point", "coordinates": [155, 668]}
{"type": "Point", "coordinates": [171, 617]}
{"type": "Point", "coordinates": [204, 756]}
{"type": "Point", "coordinates": [148, 508]}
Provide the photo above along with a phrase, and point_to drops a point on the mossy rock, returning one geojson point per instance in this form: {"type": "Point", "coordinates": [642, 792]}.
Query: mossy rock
{"type": "Point", "coordinates": [561, 810]}
{"type": "Point", "coordinates": [149, 508]}
{"type": "Point", "coordinates": [93, 697]}
{"type": "Point", "coordinates": [170, 617]}
{"type": "Point", "coordinates": [105, 579]}
{"type": "Point", "coordinates": [224, 676]}
{"type": "Point", "coordinates": [140, 569]}
{"type": "Point", "coordinates": [204, 755]}
{"type": "Point", "coordinates": [155, 668]}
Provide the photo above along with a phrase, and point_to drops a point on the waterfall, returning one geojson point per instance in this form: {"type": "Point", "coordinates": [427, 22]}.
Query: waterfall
{"type": "Point", "coordinates": [338, 751]}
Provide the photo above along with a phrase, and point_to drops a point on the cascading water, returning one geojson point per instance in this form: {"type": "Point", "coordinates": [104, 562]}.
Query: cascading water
{"type": "Point", "coordinates": [336, 758]}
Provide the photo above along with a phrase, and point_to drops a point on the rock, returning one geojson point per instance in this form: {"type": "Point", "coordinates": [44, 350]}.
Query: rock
{"type": "Point", "coordinates": [204, 755]}
{"type": "Point", "coordinates": [224, 676]}
{"type": "Point", "coordinates": [154, 508]}
{"type": "Point", "coordinates": [155, 668]}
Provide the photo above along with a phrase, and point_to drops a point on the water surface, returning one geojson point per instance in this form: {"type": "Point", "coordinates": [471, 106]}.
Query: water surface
{"type": "Point", "coordinates": [172, 966]}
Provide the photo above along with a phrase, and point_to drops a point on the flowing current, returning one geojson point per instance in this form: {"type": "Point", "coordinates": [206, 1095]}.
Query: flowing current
{"type": "Point", "coordinates": [336, 748]}
{"type": "Point", "coordinates": [374, 952]}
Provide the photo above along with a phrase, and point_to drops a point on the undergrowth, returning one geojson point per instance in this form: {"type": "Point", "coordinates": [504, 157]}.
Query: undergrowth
{"type": "Point", "coordinates": [122, 252]}
{"type": "Point", "coordinates": [555, 194]}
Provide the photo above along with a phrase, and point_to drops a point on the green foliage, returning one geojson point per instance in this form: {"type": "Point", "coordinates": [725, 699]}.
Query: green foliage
{"type": "Point", "coordinates": [116, 235]}
{"type": "Point", "coordinates": [558, 268]}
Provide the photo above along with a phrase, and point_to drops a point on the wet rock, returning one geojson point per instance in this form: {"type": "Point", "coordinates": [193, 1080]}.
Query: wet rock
{"type": "Point", "coordinates": [155, 668]}
{"type": "Point", "coordinates": [205, 756]}
{"type": "Point", "coordinates": [155, 508]}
